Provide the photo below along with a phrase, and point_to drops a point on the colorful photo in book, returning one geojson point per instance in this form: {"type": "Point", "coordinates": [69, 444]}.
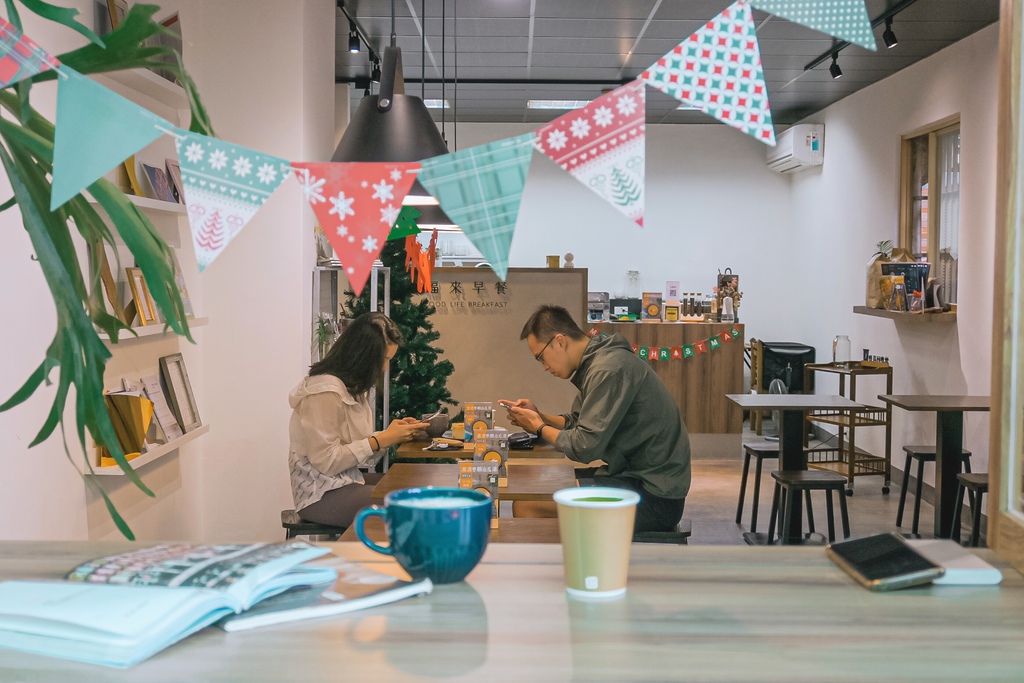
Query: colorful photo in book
{"type": "Point", "coordinates": [158, 181]}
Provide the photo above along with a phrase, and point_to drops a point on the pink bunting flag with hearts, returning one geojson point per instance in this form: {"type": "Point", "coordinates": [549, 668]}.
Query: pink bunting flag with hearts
{"type": "Point", "coordinates": [718, 70]}
{"type": "Point", "coordinates": [356, 204]}
{"type": "Point", "coordinates": [602, 146]}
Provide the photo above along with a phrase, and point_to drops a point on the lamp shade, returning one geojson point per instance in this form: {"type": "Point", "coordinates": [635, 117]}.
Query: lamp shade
{"type": "Point", "coordinates": [405, 132]}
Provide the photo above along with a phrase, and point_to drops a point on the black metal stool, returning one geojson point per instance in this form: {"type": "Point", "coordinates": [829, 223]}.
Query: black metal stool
{"type": "Point", "coordinates": [678, 537]}
{"type": "Point", "coordinates": [296, 526]}
{"type": "Point", "coordinates": [761, 451]}
{"type": "Point", "coordinates": [922, 454]}
{"type": "Point", "coordinates": [976, 486]}
{"type": "Point", "coordinates": [790, 484]}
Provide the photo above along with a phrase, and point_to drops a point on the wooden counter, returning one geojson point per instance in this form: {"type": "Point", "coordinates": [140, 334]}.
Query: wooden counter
{"type": "Point", "coordinates": [698, 384]}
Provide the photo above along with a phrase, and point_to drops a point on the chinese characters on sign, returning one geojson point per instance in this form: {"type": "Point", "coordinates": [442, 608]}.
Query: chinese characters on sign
{"type": "Point", "coordinates": [458, 296]}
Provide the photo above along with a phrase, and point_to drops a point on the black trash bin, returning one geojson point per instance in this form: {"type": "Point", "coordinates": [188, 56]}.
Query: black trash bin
{"type": "Point", "coordinates": [786, 361]}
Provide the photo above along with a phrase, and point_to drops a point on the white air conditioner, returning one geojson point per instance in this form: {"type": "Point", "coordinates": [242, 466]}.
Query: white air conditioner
{"type": "Point", "coordinates": [797, 148]}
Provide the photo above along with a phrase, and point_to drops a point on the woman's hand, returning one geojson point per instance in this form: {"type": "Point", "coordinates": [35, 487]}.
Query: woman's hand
{"type": "Point", "coordinates": [400, 431]}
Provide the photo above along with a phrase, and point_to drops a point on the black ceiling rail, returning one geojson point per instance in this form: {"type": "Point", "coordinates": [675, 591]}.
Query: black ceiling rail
{"type": "Point", "coordinates": [503, 81]}
{"type": "Point", "coordinates": [877, 21]}
{"type": "Point", "coordinates": [359, 31]}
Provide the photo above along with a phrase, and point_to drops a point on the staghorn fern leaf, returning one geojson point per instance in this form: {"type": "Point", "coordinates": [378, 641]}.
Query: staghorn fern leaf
{"type": "Point", "coordinates": [26, 151]}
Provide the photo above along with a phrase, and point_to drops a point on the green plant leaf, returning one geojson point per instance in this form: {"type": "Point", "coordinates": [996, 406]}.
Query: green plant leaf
{"type": "Point", "coordinates": [62, 15]}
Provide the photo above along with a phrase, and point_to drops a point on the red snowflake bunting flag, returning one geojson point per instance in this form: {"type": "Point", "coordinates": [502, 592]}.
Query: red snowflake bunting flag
{"type": "Point", "coordinates": [602, 146]}
{"type": "Point", "coordinates": [718, 70]}
{"type": "Point", "coordinates": [356, 203]}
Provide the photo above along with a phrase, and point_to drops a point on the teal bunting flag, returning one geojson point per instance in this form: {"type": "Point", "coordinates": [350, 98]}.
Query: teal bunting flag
{"type": "Point", "coordinates": [845, 19]}
{"type": "Point", "coordinates": [96, 130]}
{"type": "Point", "coordinates": [480, 189]}
{"type": "Point", "coordinates": [224, 186]}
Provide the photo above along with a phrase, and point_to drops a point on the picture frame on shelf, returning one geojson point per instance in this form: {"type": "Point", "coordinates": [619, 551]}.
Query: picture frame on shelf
{"type": "Point", "coordinates": [174, 175]}
{"type": "Point", "coordinates": [144, 304]}
{"type": "Point", "coordinates": [179, 280]}
{"type": "Point", "coordinates": [101, 265]}
{"type": "Point", "coordinates": [170, 38]}
{"type": "Point", "coordinates": [108, 15]}
{"type": "Point", "coordinates": [159, 184]}
{"type": "Point", "coordinates": [133, 176]}
{"type": "Point", "coordinates": [179, 392]}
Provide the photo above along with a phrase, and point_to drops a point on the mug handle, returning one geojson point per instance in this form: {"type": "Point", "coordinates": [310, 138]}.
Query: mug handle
{"type": "Point", "coordinates": [374, 511]}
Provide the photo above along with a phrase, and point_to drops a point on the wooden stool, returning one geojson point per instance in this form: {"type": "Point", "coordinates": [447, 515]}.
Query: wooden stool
{"type": "Point", "coordinates": [759, 450]}
{"type": "Point", "coordinates": [976, 486]}
{"type": "Point", "coordinates": [296, 526]}
{"type": "Point", "coordinates": [792, 483]}
{"type": "Point", "coordinates": [677, 537]}
{"type": "Point", "coordinates": [922, 454]}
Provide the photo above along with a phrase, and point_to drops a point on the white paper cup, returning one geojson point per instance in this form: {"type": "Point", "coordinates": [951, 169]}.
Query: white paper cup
{"type": "Point", "coordinates": [596, 524]}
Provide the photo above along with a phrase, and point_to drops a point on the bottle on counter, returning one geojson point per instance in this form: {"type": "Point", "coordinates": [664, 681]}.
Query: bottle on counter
{"type": "Point", "coordinates": [841, 350]}
{"type": "Point", "coordinates": [727, 315]}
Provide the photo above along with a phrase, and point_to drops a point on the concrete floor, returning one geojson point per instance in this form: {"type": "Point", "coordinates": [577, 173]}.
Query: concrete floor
{"type": "Point", "coordinates": [714, 491]}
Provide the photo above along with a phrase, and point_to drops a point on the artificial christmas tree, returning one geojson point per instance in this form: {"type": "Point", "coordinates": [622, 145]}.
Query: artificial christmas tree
{"type": "Point", "coordinates": [418, 379]}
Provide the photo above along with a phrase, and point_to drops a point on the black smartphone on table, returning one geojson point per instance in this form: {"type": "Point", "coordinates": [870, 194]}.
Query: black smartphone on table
{"type": "Point", "coordinates": [883, 562]}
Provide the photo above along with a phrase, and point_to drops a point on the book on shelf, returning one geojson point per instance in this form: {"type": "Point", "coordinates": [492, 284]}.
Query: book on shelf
{"type": "Point", "coordinates": [356, 588]}
{"type": "Point", "coordinates": [121, 609]}
{"type": "Point", "coordinates": [130, 414]}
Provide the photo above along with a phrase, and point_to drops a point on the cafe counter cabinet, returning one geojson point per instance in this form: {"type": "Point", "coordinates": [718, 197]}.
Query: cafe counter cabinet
{"type": "Point", "coordinates": [698, 383]}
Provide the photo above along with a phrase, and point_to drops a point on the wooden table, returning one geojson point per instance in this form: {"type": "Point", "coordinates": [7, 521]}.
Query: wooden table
{"type": "Point", "coordinates": [525, 482]}
{"type": "Point", "coordinates": [413, 450]}
{"type": "Point", "coordinates": [510, 530]}
{"type": "Point", "coordinates": [791, 441]}
{"type": "Point", "coordinates": [707, 613]}
{"type": "Point", "coordinates": [949, 442]}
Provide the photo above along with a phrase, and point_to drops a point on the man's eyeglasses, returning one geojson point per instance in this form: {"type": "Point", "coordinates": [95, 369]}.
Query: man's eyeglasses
{"type": "Point", "coordinates": [540, 355]}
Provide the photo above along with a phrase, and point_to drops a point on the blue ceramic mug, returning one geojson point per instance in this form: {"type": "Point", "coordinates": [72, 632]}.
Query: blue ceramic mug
{"type": "Point", "coordinates": [435, 533]}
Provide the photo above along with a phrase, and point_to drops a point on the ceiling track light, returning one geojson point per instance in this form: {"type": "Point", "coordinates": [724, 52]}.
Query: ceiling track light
{"type": "Point", "coordinates": [836, 72]}
{"type": "Point", "coordinates": [353, 37]}
{"type": "Point", "coordinates": [888, 36]}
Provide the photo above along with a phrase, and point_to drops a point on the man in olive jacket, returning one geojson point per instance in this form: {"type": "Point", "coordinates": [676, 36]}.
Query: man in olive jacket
{"type": "Point", "coordinates": [623, 415]}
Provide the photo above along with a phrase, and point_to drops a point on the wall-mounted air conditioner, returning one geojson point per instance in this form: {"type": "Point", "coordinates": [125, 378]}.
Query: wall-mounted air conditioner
{"type": "Point", "coordinates": [799, 147]}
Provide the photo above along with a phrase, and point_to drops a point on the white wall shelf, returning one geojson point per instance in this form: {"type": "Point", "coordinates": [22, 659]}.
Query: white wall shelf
{"type": "Point", "coordinates": [147, 83]}
{"type": "Point", "coordinates": [154, 330]}
{"type": "Point", "coordinates": [154, 454]}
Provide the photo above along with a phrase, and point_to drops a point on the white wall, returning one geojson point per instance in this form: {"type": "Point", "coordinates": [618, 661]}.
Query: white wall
{"type": "Point", "coordinates": [852, 202]}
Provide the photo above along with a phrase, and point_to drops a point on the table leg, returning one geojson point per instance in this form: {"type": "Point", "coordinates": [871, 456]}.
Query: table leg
{"type": "Point", "coordinates": [949, 443]}
{"type": "Point", "coordinates": [792, 458]}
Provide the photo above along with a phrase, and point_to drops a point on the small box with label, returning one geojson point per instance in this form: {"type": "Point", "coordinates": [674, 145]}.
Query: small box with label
{"type": "Point", "coordinates": [651, 307]}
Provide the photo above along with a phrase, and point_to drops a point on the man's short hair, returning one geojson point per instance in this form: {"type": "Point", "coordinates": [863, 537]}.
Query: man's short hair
{"type": "Point", "coordinates": [547, 321]}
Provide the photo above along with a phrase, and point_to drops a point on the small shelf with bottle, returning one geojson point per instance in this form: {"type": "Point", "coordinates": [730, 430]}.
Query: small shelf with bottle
{"type": "Point", "coordinates": [845, 456]}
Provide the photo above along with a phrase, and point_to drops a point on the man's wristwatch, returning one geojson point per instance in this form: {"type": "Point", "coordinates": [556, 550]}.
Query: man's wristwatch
{"type": "Point", "coordinates": [540, 429]}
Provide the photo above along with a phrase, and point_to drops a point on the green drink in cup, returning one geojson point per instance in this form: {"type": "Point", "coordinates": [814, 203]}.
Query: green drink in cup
{"type": "Point", "coordinates": [596, 524]}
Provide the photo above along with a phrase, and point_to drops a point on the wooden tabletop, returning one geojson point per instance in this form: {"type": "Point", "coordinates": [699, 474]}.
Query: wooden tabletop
{"type": "Point", "coordinates": [510, 530]}
{"type": "Point", "coordinates": [414, 450]}
{"type": "Point", "coordinates": [794, 402]}
{"type": "Point", "coordinates": [525, 482]}
{"type": "Point", "coordinates": [940, 403]}
{"type": "Point", "coordinates": [707, 613]}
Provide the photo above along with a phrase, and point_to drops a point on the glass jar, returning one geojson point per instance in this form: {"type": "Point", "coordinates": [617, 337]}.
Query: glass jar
{"type": "Point", "coordinates": [841, 350]}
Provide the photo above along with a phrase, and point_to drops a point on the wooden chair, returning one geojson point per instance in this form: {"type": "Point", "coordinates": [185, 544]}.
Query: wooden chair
{"type": "Point", "coordinates": [761, 451]}
{"type": "Point", "coordinates": [788, 486]}
{"type": "Point", "coordinates": [976, 486]}
{"type": "Point", "coordinates": [922, 454]}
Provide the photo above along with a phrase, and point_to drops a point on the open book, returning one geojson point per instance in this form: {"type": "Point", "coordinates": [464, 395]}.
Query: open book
{"type": "Point", "coordinates": [357, 588]}
{"type": "Point", "coordinates": [122, 609]}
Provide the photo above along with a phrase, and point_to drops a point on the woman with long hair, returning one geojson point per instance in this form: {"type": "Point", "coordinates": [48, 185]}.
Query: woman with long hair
{"type": "Point", "coordinates": [331, 431]}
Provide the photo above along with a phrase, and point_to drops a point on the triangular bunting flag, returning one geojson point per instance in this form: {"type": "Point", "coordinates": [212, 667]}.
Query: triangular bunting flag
{"type": "Point", "coordinates": [406, 224]}
{"type": "Point", "coordinates": [677, 351]}
{"type": "Point", "coordinates": [644, 352]}
{"type": "Point", "coordinates": [224, 186]}
{"type": "Point", "coordinates": [700, 346]}
{"type": "Point", "coordinates": [96, 130]}
{"type": "Point", "coordinates": [602, 146]}
{"type": "Point", "coordinates": [726, 336]}
{"type": "Point", "coordinates": [735, 332]}
{"type": "Point", "coordinates": [714, 343]}
{"type": "Point", "coordinates": [663, 353]}
{"type": "Point", "coordinates": [480, 189]}
{"type": "Point", "coordinates": [636, 349]}
{"type": "Point", "coordinates": [20, 57]}
{"type": "Point", "coordinates": [718, 70]}
{"type": "Point", "coordinates": [687, 350]}
{"type": "Point", "coordinates": [357, 203]}
{"type": "Point", "coordinates": [846, 19]}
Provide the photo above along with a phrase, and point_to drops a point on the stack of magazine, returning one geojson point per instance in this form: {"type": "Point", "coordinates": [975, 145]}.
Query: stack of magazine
{"type": "Point", "coordinates": [121, 609]}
